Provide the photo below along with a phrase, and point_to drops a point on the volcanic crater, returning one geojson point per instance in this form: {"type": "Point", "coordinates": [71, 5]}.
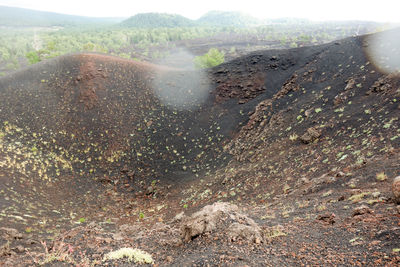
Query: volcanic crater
{"type": "Point", "coordinates": [93, 158]}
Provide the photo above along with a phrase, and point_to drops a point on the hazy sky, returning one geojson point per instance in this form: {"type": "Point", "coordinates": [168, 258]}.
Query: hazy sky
{"type": "Point", "coordinates": [380, 10]}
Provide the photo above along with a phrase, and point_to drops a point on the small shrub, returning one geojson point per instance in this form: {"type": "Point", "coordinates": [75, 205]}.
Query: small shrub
{"type": "Point", "coordinates": [274, 232]}
{"type": "Point", "coordinates": [381, 176]}
{"type": "Point", "coordinates": [293, 137]}
{"type": "Point", "coordinates": [359, 197]}
{"type": "Point", "coordinates": [211, 59]}
{"type": "Point", "coordinates": [33, 57]}
{"type": "Point", "coordinates": [59, 251]}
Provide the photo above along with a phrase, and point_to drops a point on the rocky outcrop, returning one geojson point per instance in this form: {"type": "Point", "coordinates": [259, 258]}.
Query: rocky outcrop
{"type": "Point", "coordinates": [222, 218]}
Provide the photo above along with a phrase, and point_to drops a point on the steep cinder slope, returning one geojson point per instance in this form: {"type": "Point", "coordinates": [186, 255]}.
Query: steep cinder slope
{"type": "Point", "coordinates": [310, 111]}
{"type": "Point", "coordinates": [316, 160]}
{"type": "Point", "coordinates": [103, 114]}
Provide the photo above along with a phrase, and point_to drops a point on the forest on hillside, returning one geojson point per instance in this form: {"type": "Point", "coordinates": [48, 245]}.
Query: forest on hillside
{"type": "Point", "coordinates": [152, 36]}
{"type": "Point", "coordinates": [27, 45]}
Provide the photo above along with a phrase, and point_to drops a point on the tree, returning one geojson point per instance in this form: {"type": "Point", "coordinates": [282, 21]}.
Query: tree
{"type": "Point", "coordinates": [33, 57]}
{"type": "Point", "coordinates": [211, 59]}
{"type": "Point", "coordinates": [4, 54]}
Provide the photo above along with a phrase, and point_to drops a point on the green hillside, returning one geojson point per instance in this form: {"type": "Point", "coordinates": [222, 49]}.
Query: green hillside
{"type": "Point", "coordinates": [222, 18]}
{"type": "Point", "coordinates": [155, 20]}
{"type": "Point", "coordinates": [18, 17]}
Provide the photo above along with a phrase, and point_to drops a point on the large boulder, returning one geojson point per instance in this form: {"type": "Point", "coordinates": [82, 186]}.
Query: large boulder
{"type": "Point", "coordinates": [222, 218]}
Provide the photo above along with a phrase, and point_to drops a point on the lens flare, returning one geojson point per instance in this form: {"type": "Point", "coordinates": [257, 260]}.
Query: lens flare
{"type": "Point", "coordinates": [383, 50]}
{"type": "Point", "coordinates": [179, 85]}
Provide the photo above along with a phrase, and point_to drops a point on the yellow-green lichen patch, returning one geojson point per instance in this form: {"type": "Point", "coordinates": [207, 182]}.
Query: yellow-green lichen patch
{"type": "Point", "coordinates": [137, 255]}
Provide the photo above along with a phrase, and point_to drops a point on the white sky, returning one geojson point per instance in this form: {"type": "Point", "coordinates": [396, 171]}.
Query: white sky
{"type": "Point", "coordinates": [374, 10]}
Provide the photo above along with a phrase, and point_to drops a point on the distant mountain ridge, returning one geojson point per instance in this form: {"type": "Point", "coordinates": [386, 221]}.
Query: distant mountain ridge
{"type": "Point", "coordinates": [15, 16]}
{"type": "Point", "coordinates": [153, 20]}
{"type": "Point", "coordinates": [22, 17]}
{"type": "Point", "coordinates": [228, 18]}
{"type": "Point", "coordinates": [212, 18]}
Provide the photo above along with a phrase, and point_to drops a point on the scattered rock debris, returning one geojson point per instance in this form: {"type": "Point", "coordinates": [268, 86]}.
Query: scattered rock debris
{"type": "Point", "coordinates": [328, 218]}
{"type": "Point", "coordinates": [386, 83]}
{"type": "Point", "coordinates": [361, 210]}
{"type": "Point", "coordinates": [312, 134]}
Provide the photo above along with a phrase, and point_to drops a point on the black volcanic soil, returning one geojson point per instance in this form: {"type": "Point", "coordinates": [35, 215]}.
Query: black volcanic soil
{"type": "Point", "coordinates": [91, 159]}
